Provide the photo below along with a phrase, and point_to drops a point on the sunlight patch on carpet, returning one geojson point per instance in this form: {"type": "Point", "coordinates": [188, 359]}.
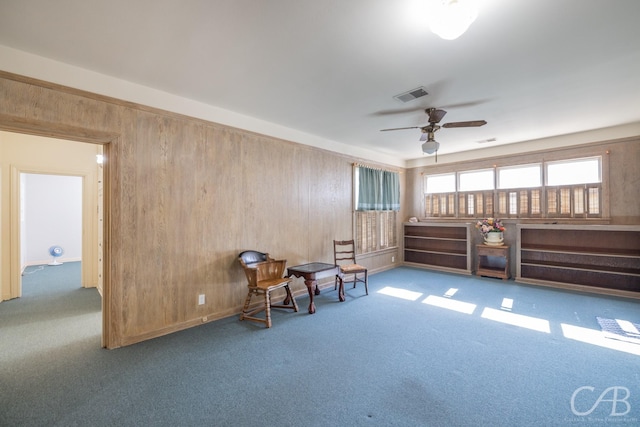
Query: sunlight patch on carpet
{"type": "Point", "coordinates": [451, 292]}
{"type": "Point", "coordinates": [592, 336]}
{"type": "Point", "coordinates": [400, 293]}
{"type": "Point", "coordinates": [449, 304]}
{"type": "Point", "coordinates": [520, 320]}
{"type": "Point", "coordinates": [507, 304]}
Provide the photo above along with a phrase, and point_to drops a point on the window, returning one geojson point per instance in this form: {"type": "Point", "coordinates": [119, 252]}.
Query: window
{"type": "Point", "coordinates": [574, 188]}
{"type": "Point", "coordinates": [377, 200]}
{"type": "Point", "coordinates": [440, 183]}
{"type": "Point", "coordinates": [441, 198]}
{"type": "Point", "coordinates": [577, 171]}
{"type": "Point", "coordinates": [475, 189]}
{"type": "Point", "coordinates": [475, 180]}
{"type": "Point", "coordinates": [520, 176]}
{"type": "Point", "coordinates": [569, 188]}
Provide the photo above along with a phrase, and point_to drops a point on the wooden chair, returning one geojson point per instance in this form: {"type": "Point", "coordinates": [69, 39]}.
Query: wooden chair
{"type": "Point", "coordinates": [344, 255]}
{"type": "Point", "coordinates": [264, 275]}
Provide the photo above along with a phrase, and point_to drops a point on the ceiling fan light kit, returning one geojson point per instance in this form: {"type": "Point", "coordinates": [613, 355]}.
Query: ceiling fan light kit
{"type": "Point", "coordinates": [452, 18]}
{"type": "Point", "coordinates": [428, 131]}
{"type": "Point", "coordinates": [430, 147]}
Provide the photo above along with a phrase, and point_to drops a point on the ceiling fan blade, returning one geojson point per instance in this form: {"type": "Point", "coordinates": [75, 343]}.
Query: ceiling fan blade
{"type": "Point", "coordinates": [465, 104]}
{"type": "Point", "coordinates": [399, 111]}
{"type": "Point", "coordinates": [410, 127]}
{"type": "Point", "coordinates": [473, 123]}
{"type": "Point", "coordinates": [435, 115]}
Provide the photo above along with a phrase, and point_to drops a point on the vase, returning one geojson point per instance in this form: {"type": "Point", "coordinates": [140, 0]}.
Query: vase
{"type": "Point", "coordinates": [494, 238]}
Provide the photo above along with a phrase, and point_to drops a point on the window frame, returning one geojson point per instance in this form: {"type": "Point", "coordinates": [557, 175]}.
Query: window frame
{"type": "Point", "coordinates": [573, 160]}
{"type": "Point", "coordinates": [575, 201]}
{"type": "Point", "coordinates": [373, 230]}
{"type": "Point", "coordinates": [452, 174]}
{"type": "Point", "coordinates": [465, 172]}
{"type": "Point", "coordinates": [519, 166]}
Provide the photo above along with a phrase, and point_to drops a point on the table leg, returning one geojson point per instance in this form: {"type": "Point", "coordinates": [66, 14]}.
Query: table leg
{"type": "Point", "coordinates": [311, 284]}
{"type": "Point", "coordinates": [341, 289]}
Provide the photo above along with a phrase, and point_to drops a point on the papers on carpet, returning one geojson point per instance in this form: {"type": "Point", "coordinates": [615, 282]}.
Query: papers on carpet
{"type": "Point", "coordinates": [618, 329]}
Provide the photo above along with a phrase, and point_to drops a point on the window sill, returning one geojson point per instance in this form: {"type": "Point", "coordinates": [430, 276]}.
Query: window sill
{"type": "Point", "coordinates": [377, 252]}
{"type": "Point", "coordinates": [603, 221]}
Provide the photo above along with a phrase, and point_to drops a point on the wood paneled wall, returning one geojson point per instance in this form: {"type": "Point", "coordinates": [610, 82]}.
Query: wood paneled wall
{"type": "Point", "coordinates": [183, 197]}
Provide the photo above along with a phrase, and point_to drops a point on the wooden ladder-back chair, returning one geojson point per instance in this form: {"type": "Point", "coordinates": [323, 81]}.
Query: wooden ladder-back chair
{"type": "Point", "coordinates": [344, 255]}
{"type": "Point", "coordinates": [264, 275]}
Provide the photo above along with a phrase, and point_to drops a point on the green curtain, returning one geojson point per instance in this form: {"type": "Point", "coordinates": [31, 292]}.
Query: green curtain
{"type": "Point", "coordinates": [390, 191]}
{"type": "Point", "coordinates": [369, 188]}
{"type": "Point", "coordinates": [378, 190]}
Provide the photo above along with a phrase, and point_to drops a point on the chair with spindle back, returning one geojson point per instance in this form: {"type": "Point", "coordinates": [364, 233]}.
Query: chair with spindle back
{"type": "Point", "coordinates": [344, 255]}
{"type": "Point", "coordinates": [264, 275]}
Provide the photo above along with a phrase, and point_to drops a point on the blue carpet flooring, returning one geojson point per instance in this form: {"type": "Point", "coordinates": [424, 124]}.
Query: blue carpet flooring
{"type": "Point", "coordinates": [423, 349]}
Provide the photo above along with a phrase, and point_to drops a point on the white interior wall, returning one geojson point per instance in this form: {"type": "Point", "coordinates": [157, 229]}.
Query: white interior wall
{"type": "Point", "coordinates": [51, 215]}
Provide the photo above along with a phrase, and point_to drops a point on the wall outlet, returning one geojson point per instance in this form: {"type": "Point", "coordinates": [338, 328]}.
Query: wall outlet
{"type": "Point", "coordinates": [393, 259]}
{"type": "Point", "coordinates": [201, 299]}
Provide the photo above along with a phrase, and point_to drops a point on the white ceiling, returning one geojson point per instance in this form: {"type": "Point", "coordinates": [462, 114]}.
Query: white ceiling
{"type": "Point", "coordinates": [330, 68]}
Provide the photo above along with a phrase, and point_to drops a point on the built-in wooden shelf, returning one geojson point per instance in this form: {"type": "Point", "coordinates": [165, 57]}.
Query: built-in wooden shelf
{"type": "Point", "coordinates": [443, 247]}
{"type": "Point", "coordinates": [596, 258]}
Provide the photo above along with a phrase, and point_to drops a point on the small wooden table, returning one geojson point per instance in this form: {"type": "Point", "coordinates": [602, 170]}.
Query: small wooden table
{"type": "Point", "coordinates": [312, 272]}
{"type": "Point", "coordinates": [485, 268]}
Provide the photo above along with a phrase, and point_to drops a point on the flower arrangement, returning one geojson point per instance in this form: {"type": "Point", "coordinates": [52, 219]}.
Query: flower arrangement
{"type": "Point", "coordinates": [489, 225]}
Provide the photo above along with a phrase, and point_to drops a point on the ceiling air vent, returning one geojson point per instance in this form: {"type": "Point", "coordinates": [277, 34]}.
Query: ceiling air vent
{"type": "Point", "coordinates": [412, 94]}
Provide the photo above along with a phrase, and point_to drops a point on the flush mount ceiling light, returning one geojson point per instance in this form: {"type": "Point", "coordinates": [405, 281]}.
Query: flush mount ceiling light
{"type": "Point", "coordinates": [452, 18]}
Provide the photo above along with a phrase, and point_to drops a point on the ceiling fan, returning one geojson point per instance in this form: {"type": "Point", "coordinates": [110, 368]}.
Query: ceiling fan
{"type": "Point", "coordinates": [435, 116]}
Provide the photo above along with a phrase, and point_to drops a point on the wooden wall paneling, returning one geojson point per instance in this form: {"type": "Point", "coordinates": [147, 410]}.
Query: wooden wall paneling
{"type": "Point", "coordinates": [268, 223]}
{"type": "Point", "coordinates": [182, 197]}
{"type": "Point", "coordinates": [147, 246]}
{"type": "Point", "coordinates": [624, 179]}
{"type": "Point", "coordinates": [120, 227]}
{"type": "Point", "coordinates": [266, 175]}
{"type": "Point", "coordinates": [330, 204]}
{"type": "Point", "coordinates": [299, 209]}
{"type": "Point", "coordinates": [186, 213]}
{"type": "Point", "coordinates": [414, 205]}
{"type": "Point", "coordinates": [220, 237]}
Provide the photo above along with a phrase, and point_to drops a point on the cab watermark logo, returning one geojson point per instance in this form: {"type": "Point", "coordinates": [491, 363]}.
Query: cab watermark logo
{"type": "Point", "coordinates": [615, 399]}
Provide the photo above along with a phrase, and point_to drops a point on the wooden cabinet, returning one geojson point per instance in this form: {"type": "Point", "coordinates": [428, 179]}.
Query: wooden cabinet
{"type": "Point", "coordinates": [438, 246]}
{"type": "Point", "coordinates": [597, 258]}
{"type": "Point", "coordinates": [493, 261]}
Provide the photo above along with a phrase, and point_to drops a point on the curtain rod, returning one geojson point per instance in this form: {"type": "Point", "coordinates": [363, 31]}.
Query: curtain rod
{"type": "Point", "coordinates": [360, 165]}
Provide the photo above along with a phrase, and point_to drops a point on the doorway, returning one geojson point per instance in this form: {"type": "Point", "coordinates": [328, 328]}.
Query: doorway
{"type": "Point", "coordinates": [50, 219]}
{"type": "Point", "coordinates": [35, 155]}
